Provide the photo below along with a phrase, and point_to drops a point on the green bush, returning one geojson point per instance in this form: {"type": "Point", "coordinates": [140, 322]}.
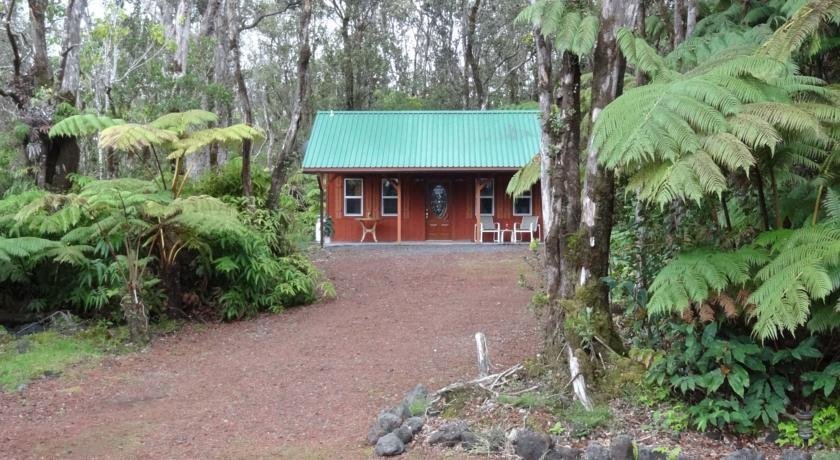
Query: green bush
{"type": "Point", "coordinates": [76, 250]}
{"type": "Point", "coordinates": [730, 380]}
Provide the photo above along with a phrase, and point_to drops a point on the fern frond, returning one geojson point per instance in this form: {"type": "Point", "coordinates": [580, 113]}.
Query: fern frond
{"type": "Point", "coordinates": [82, 125]}
{"type": "Point", "coordinates": [525, 177]}
{"type": "Point", "coordinates": [179, 122]}
{"type": "Point", "coordinates": [803, 24]}
{"type": "Point", "coordinates": [229, 136]}
{"type": "Point", "coordinates": [134, 138]}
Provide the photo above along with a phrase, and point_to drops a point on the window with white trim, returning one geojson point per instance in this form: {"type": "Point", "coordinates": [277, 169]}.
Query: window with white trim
{"type": "Point", "coordinates": [389, 198]}
{"type": "Point", "coordinates": [353, 197]}
{"type": "Point", "coordinates": [487, 198]}
{"type": "Point", "coordinates": [523, 204]}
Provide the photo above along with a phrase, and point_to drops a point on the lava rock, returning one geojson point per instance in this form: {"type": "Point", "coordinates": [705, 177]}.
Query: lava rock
{"type": "Point", "coordinates": [595, 451]}
{"type": "Point", "coordinates": [745, 454]}
{"type": "Point", "coordinates": [449, 435]}
{"type": "Point", "coordinates": [621, 448]}
{"type": "Point", "coordinates": [530, 445]}
{"type": "Point", "coordinates": [415, 424]}
{"type": "Point", "coordinates": [563, 453]}
{"type": "Point", "coordinates": [469, 440]}
{"type": "Point", "coordinates": [404, 433]}
{"type": "Point", "coordinates": [385, 423]}
{"type": "Point", "coordinates": [651, 453]}
{"type": "Point", "coordinates": [794, 454]}
{"type": "Point", "coordinates": [401, 410]}
{"type": "Point", "coordinates": [389, 445]}
{"type": "Point", "coordinates": [418, 393]}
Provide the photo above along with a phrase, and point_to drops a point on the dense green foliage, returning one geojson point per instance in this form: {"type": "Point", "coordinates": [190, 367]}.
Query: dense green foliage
{"type": "Point", "coordinates": [735, 149]}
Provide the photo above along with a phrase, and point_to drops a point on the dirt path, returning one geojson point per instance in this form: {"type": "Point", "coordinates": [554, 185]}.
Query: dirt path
{"type": "Point", "coordinates": [302, 384]}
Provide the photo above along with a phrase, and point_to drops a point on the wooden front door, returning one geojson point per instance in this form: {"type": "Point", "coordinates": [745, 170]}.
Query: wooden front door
{"type": "Point", "coordinates": [438, 204]}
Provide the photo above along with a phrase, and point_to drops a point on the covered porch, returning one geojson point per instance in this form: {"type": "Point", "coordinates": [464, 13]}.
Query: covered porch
{"type": "Point", "coordinates": [423, 206]}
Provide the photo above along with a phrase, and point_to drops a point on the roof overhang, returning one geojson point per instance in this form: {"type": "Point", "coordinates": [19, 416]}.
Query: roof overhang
{"type": "Point", "coordinates": [404, 170]}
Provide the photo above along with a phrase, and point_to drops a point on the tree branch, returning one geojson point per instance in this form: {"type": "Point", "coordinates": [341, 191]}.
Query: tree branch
{"type": "Point", "coordinates": [10, 8]}
{"type": "Point", "coordinates": [289, 5]}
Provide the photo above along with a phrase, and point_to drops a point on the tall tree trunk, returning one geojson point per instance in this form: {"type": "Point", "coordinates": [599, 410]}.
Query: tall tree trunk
{"type": "Point", "coordinates": [182, 36]}
{"type": "Point", "coordinates": [242, 92]}
{"type": "Point", "coordinates": [598, 188]}
{"type": "Point", "coordinates": [285, 160]}
{"type": "Point", "coordinates": [690, 17]}
{"type": "Point", "coordinates": [40, 70]}
{"type": "Point", "coordinates": [762, 202]}
{"type": "Point", "coordinates": [469, 54]}
{"type": "Point", "coordinates": [69, 70]}
{"type": "Point", "coordinates": [679, 22]}
{"type": "Point", "coordinates": [347, 57]}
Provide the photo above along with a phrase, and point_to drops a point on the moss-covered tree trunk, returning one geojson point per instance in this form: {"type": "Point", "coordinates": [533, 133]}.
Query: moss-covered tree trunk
{"type": "Point", "coordinates": [598, 198]}
{"type": "Point", "coordinates": [136, 315]}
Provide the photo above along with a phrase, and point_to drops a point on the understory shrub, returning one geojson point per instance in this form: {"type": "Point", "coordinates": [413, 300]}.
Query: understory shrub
{"type": "Point", "coordinates": [731, 380]}
{"type": "Point", "coordinates": [87, 249]}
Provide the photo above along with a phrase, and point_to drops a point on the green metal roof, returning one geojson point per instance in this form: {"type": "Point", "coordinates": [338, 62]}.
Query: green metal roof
{"type": "Point", "coordinates": [416, 140]}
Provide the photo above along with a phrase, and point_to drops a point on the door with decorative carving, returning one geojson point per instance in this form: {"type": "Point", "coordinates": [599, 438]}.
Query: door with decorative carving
{"type": "Point", "coordinates": [438, 200]}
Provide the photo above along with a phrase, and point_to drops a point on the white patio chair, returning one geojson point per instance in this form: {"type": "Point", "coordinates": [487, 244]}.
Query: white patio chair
{"type": "Point", "coordinates": [486, 225]}
{"type": "Point", "coordinates": [528, 226]}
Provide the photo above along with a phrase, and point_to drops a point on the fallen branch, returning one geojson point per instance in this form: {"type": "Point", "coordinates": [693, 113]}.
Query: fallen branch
{"type": "Point", "coordinates": [496, 380]}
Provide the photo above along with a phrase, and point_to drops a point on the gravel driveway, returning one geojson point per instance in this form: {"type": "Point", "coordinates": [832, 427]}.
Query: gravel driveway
{"type": "Point", "coordinates": [302, 384]}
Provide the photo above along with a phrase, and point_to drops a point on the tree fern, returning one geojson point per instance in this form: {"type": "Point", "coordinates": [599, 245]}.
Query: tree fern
{"type": "Point", "coordinates": [180, 122]}
{"type": "Point", "coordinates": [525, 177]}
{"type": "Point", "coordinates": [802, 25]}
{"type": "Point", "coordinates": [698, 275]}
{"type": "Point", "coordinates": [134, 138]}
{"type": "Point", "coordinates": [82, 125]}
{"type": "Point", "coordinates": [229, 136]}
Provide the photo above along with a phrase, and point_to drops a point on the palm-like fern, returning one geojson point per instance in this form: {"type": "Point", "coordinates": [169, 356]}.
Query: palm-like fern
{"type": "Point", "coordinates": [792, 275]}
{"type": "Point", "coordinates": [678, 136]}
{"type": "Point", "coordinates": [572, 29]}
{"type": "Point", "coordinates": [82, 125]}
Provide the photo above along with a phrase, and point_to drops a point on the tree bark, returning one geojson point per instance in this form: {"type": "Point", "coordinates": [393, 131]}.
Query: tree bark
{"type": "Point", "coordinates": [242, 93]}
{"type": "Point", "coordinates": [69, 71]}
{"type": "Point", "coordinates": [284, 160]}
{"type": "Point", "coordinates": [469, 55]}
{"type": "Point", "coordinates": [182, 37]}
{"type": "Point", "coordinates": [679, 23]}
{"type": "Point", "coordinates": [345, 13]}
{"type": "Point", "coordinates": [40, 70]}
{"type": "Point", "coordinates": [762, 202]}
{"type": "Point", "coordinates": [690, 17]}
{"type": "Point", "coordinates": [598, 190]}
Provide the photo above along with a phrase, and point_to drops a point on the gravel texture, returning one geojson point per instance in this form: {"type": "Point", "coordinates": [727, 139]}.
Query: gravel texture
{"type": "Point", "coordinates": [302, 384]}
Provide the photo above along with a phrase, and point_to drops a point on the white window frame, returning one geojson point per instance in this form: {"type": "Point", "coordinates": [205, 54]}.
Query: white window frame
{"type": "Point", "coordinates": [382, 199]}
{"type": "Point", "coordinates": [361, 197]}
{"type": "Point", "coordinates": [530, 198]}
{"type": "Point", "coordinates": [492, 200]}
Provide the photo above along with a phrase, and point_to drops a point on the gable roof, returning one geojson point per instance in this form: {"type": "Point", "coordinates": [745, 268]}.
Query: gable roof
{"type": "Point", "coordinates": [422, 140]}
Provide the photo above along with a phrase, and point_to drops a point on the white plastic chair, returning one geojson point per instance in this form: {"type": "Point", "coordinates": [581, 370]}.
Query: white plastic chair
{"type": "Point", "coordinates": [528, 226]}
{"type": "Point", "coordinates": [486, 225]}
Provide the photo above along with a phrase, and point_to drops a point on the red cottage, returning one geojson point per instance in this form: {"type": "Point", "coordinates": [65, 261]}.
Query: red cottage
{"type": "Point", "coordinates": [425, 175]}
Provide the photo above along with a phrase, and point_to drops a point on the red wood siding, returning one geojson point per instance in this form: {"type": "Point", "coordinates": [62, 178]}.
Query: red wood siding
{"type": "Point", "coordinates": [461, 202]}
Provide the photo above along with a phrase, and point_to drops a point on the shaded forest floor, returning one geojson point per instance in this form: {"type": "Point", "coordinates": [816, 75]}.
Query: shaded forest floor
{"type": "Point", "coordinates": [302, 384]}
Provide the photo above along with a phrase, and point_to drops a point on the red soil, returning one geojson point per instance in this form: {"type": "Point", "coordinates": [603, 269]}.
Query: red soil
{"type": "Point", "coordinates": [302, 384]}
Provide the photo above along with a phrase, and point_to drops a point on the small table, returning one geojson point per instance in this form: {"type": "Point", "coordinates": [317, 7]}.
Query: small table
{"type": "Point", "coordinates": [368, 227]}
{"type": "Point", "coordinates": [502, 234]}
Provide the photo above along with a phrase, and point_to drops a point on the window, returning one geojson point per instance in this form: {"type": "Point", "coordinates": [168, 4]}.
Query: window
{"type": "Point", "coordinates": [353, 197]}
{"type": "Point", "coordinates": [486, 199]}
{"type": "Point", "coordinates": [522, 204]}
{"type": "Point", "coordinates": [389, 198]}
